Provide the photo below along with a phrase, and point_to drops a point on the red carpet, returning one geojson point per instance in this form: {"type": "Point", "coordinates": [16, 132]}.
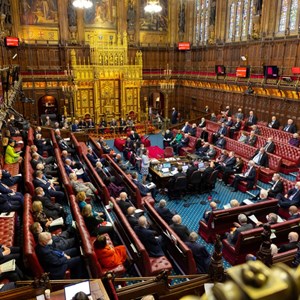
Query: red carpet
{"type": "Point", "coordinates": [155, 152]}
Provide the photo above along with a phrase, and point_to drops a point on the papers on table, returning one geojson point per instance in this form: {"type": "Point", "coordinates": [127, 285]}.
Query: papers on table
{"type": "Point", "coordinates": [227, 206]}
{"type": "Point", "coordinates": [174, 172]}
{"type": "Point", "coordinates": [279, 219]}
{"type": "Point", "coordinates": [79, 172]}
{"type": "Point", "coordinates": [247, 201]}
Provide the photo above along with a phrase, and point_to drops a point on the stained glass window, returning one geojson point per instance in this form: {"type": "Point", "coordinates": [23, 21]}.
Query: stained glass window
{"type": "Point", "coordinates": [203, 11]}
{"type": "Point", "coordinates": [288, 16]}
{"type": "Point", "coordinates": [240, 19]}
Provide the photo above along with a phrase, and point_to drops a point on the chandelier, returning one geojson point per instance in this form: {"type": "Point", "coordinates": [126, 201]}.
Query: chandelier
{"type": "Point", "coordinates": [153, 7]}
{"type": "Point", "coordinates": [83, 4]}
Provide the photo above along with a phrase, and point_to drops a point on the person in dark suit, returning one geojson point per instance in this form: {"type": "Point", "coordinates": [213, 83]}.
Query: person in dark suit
{"type": "Point", "coordinates": [274, 123]}
{"type": "Point", "coordinates": [168, 137]}
{"type": "Point", "coordinates": [49, 189]}
{"type": "Point", "coordinates": [209, 154]}
{"type": "Point", "coordinates": [148, 238]}
{"type": "Point", "coordinates": [128, 147]}
{"type": "Point", "coordinates": [142, 188]}
{"type": "Point", "coordinates": [183, 143]}
{"type": "Point", "coordinates": [207, 213]}
{"type": "Point", "coordinates": [92, 157]}
{"type": "Point", "coordinates": [204, 135]}
{"type": "Point", "coordinates": [69, 169]}
{"type": "Point", "coordinates": [190, 170]}
{"type": "Point", "coordinates": [74, 126]}
{"type": "Point", "coordinates": [55, 261]}
{"type": "Point", "coordinates": [9, 194]}
{"type": "Point", "coordinates": [227, 111]}
{"type": "Point", "coordinates": [228, 163]}
{"type": "Point", "coordinates": [221, 142]}
{"type": "Point", "coordinates": [42, 145]}
{"type": "Point", "coordinates": [193, 130]}
{"type": "Point", "coordinates": [89, 123]}
{"type": "Point", "coordinates": [291, 198]}
{"type": "Point", "coordinates": [290, 126]}
{"type": "Point", "coordinates": [113, 125]}
{"type": "Point", "coordinates": [269, 145]}
{"type": "Point", "coordinates": [252, 119]}
{"type": "Point", "coordinates": [10, 180]}
{"type": "Point", "coordinates": [241, 226]}
{"type": "Point", "coordinates": [181, 230]}
{"type": "Point", "coordinates": [202, 123]}
{"type": "Point", "coordinates": [209, 167]}
{"type": "Point", "coordinates": [186, 127]}
{"type": "Point", "coordinates": [236, 127]}
{"type": "Point", "coordinates": [260, 157]}
{"type": "Point", "coordinates": [174, 117]}
{"type": "Point", "coordinates": [249, 176]}
{"type": "Point", "coordinates": [164, 212]}
{"type": "Point", "coordinates": [229, 122]}
{"type": "Point", "coordinates": [134, 136]}
{"type": "Point", "coordinates": [221, 131]}
{"type": "Point", "coordinates": [292, 244]}
{"type": "Point", "coordinates": [102, 126]}
{"type": "Point", "coordinates": [293, 212]}
{"type": "Point", "coordinates": [131, 217]}
{"type": "Point", "coordinates": [277, 186]}
{"type": "Point", "coordinates": [200, 253]}
{"type": "Point", "coordinates": [237, 168]}
{"type": "Point", "coordinates": [123, 202]}
{"type": "Point", "coordinates": [252, 139]}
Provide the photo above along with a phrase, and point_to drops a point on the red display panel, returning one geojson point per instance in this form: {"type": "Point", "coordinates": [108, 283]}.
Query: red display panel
{"type": "Point", "coordinates": [11, 41]}
{"type": "Point", "coordinates": [242, 72]}
{"type": "Point", "coordinates": [184, 46]}
{"type": "Point", "coordinates": [296, 70]}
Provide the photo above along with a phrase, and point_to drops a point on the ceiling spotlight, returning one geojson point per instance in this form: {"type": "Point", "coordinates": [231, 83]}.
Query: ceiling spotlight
{"type": "Point", "coordinates": [83, 4]}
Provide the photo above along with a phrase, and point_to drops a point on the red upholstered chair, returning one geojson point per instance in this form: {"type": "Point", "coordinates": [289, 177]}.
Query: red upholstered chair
{"type": "Point", "coordinates": [168, 152]}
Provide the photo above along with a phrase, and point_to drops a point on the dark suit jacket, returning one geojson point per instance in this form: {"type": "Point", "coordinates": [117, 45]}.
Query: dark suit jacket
{"type": "Point", "coordinates": [292, 128]}
{"type": "Point", "coordinates": [165, 213]}
{"type": "Point", "coordinates": [193, 131]}
{"type": "Point", "coordinates": [124, 206]}
{"type": "Point", "coordinates": [279, 187]}
{"type": "Point", "coordinates": [52, 261]}
{"type": "Point", "coordinates": [132, 220]}
{"type": "Point", "coordinates": [134, 137]}
{"type": "Point", "coordinates": [182, 231]}
{"type": "Point", "coordinates": [275, 125]}
{"type": "Point", "coordinates": [254, 120]}
{"type": "Point", "coordinates": [220, 143]}
{"type": "Point", "coordinates": [143, 189]}
{"type": "Point", "coordinates": [222, 130]}
{"type": "Point", "coordinates": [287, 247]}
{"type": "Point", "coordinates": [237, 126]}
{"type": "Point", "coordinates": [148, 239]}
{"type": "Point", "coordinates": [270, 148]}
{"type": "Point", "coordinates": [251, 141]}
{"type": "Point", "coordinates": [190, 171]}
{"type": "Point", "coordinates": [204, 135]}
{"type": "Point", "coordinates": [233, 237]}
{"type": "Point", "coordinates": [92, 158]}
{"type": "Point", "coordinates": [263, 160]}
{"type": "Point", "coordinates": [230, 162]}
{"type": "Point", "coordinates": [201, 256]}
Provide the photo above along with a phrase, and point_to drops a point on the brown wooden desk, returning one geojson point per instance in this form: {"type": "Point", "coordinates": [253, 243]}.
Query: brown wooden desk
{"type": "Point", "coordinates": [97, 290]}
{"type": "Point", "coordinates": [161, 179]}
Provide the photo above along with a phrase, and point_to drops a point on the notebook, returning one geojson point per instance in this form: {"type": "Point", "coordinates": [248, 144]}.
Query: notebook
{"type": "Point", "coordinates": [73, 289]}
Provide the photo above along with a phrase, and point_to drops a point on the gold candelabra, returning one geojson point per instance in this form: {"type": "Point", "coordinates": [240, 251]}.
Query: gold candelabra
{"type": "Point", "coordinates": [167, 87]}
{"type": "Point", "coordinates": [69, 90]}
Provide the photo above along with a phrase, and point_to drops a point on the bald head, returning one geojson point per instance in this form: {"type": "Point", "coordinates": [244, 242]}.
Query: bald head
{"type": "Point", "coordinates": [123, 196]}
{"type": "Point", "coordinates": [293, 237]}
{"type": "Point", "coordinates": [234, 203]}
{"type": "Point", "coordinates": [176, 219]}
{"type": "Point", "coordinates": [142, 221]}
{"type": "Point", "coordinates": [162, 203]}
{"type": "Point", "coordinates": [193, 236]}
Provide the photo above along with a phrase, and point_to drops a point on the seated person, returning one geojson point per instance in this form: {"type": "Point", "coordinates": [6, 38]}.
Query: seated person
{"type": "Point", "coordinates": [201, 151]}
{"type": "Point", "coordinates": [96, 225]}
{"type": "Point", "coordinates": [49, 188]}
{"type": "Point", "coordinates": [209, 154]}
{"type": "Point", "coordinates": [57, 262]}
{"type": "Point", "coordinates": [127, 148]}
{"type": "Point", "coordinates": [290, 126]}
{"type": "Point", "coordinates": [202, 123]}
{"type": "Point", "coordinates": [193, 130]}
{"type": "Point", "coordinates": [221, 131]}
{"type": "Point", "coordinates": [292, 244]}
{"type": "Point", "coordinates": [48, 171]}
{"type": "Point", "coordinates": [252, 138]}
{"type": "Point", "coordinates": [272, 218]}
{"type": "Point", "coordinates": [262, 196]}
{"type": "Point", "coordinates": [186, 127]}
{"type": "Point", "coordinates": [243, 138]}
{"type": "Point", "coordinates": [74, 163]}
{"type": "Point", "coordinates": [295, 141]}
{"type": "Point", "coordinates": [148, 238]}
{"type": "Point", "coordinates": [291, 198]}
{"type": "Point", "coordinates": [260, 157]}
{"type": "Point", "coordinates": [10, 180]}
{"type": "Point", "coordinates": [241, 226]}
{"type": "Point", "coordinates": [102, 126]}
{"type": "Point", "coordinates": [144, 190]}
{"type": "Point", "coordinates": [164, 212]}
{"type": "Point", "coordinates": [252, 119]}
{"type": "Point", "coordinates": [81, 200]}
{"type": "Point", "coordinates": [113, 125]}
{"type": "Point", "coordinates": [131, 216]}
{"type": "Point", "coordinates": [43, 146]}
{"type": "Point", "coordinates": [274, 123]}
{"type": "Point", "coordinates": [114, 190]}
{"type": "Point", "coordinates": [221, 142]}
{"type": "Point", "coordinates": [236, 127]}
{"type": "Point", "coordinates": [176, 140]}
{"type": "Point", "coordinates": [65, 240]}
{"type": "Point", "coordinates": [269, 145]}
{"type": "Point", "coordinates": [11, 156]}
{"type": "Point", "coordinates": [173, 182]}
{"type": "Point", "coordinates": [92, 157]}
{"type": "Point", "coordinates": [168, 137]}
{"type": "Point", "coordinates": [123, 202]}
{"type": "Point", "coordinates": [109, 257]}
{"type": "Point", "coordinates": [249, 175]}
{"type": "Point", "coordinates": [237, 168]}
{"type": "Point", "coordinates": [200, 253]}
{"type": "Point", "coordinates": [207, 213]}
{"type": "Point", "coordinates": [293, 212]}
{"type": "Point", "coordinates": [86, 187]}
{"type": "Point", "coordinates": [181, 230]}
{"type": "Point", "coordinates": [81, 174]}
{"type": "Point", "coordinates": [234, 203]}
{"type": "Point", "coordinates": [227, 163]}
{"type": "Point", "coordinates": [183, 143]}
{"type": "Point", "coordinates": [53, 210]}
{"type": "Point", "coordinates": [40, 159]}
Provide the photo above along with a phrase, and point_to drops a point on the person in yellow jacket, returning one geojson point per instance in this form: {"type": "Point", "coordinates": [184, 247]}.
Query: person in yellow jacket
{"type": "Point", "coordinates": [11, 156]}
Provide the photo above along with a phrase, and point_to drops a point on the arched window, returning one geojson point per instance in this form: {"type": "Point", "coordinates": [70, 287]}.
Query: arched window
{"type": "Point", "coordinates": [289, 15]}
{"type": "Point", "coordinates": [240, 13]}
{"type": "Point", "coordinates": [203, 20]}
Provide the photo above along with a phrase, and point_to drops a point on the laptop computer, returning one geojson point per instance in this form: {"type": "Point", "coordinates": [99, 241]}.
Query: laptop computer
{"type": "Point", "coordinates": [73, 289]}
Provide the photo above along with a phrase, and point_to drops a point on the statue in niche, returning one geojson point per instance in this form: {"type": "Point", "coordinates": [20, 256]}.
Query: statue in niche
{"type": "Point", "coordinates": [131, 15]}
{"type": "Point", "coordinates": [72, 15]}
{"type": "Point", "coordinates": [257, 7]}
{"type": "Point", "coordinates": [5, 9]}
{"type": "Point", "coordinates": [182, 18]}
{"type": "Point", "coordinates": [212, 16]}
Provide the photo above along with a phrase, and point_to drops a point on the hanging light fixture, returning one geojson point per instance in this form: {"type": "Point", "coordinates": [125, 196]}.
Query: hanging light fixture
{"type": "Point", "coordinates": [83, 4]}
{"type": "Point", "coordinates": [153, 7]}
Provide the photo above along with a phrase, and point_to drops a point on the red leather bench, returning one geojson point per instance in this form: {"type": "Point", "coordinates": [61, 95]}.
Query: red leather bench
{"type": "Point", "coordinates": [30, 136]}
{"type": "Point", "coordinates": [133, 191]}
{"type": "Point", "coordinates": [28, 171]}
{"type": "Point", "coordinates": [148, 266]}
{"type": "Point", "coordinates": [180, 252]}
{"type": "Point", "coordinates": [95, 146]}
{"type": "Point", "coordinates": [87, 242]}
{"type": "Point", "coordinates": [190, 148]}
{"type": "Point", "coordinates": [220, 221]}
{"type": "Point", "coordinates": [278, 135]}
{"type": "Point", "coordinates": [250, 240]}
